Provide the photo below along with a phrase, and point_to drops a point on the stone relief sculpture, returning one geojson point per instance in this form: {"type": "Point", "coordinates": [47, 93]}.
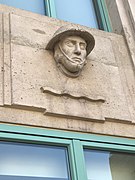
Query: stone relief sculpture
{"type": "Point", "coordinates": [73, 94]}
{"type": "Point", "coordinates": [71, 46]}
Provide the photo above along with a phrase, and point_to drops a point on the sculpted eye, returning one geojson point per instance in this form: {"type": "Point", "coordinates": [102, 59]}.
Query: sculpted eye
{"type": "Point", "coordinates": [82, 46]}
{"type": "Point", "coordinates": [69, 43]}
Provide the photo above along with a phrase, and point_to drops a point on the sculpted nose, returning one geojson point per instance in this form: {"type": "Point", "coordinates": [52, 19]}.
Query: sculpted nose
{"type": "Point", "coordinates": [77, 49]}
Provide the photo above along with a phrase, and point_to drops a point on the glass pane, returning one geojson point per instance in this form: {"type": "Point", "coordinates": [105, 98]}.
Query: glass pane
{"type": "Point", "coordinates": [77, 11]}
{"type": "Point", "coordinates": [103, 165]}
{"type": "Point", "coordinates": [36, 6]}
{"type": "Point", "coordinates": [33, 162]}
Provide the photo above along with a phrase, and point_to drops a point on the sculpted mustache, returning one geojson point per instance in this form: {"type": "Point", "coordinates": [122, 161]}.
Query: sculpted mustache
{"type": "Point", "coordinates": [69, 59]}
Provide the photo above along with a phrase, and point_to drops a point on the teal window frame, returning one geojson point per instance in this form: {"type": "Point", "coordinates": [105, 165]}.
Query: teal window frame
{"type": "Point", "coordinates": [100, 9]}
{"type": "Point", "coordinates": [75, 143]}
{"type": "Point", "coordinates": [102, 15]}
{"type": "Point", "coordinates": [50, 8]}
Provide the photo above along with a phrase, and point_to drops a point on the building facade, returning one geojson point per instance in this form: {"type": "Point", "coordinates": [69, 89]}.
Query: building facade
{"type": "Point", "coordinates": [53, 126]}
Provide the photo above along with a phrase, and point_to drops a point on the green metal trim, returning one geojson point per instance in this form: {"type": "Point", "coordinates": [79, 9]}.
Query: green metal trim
{"type": "Point", "coordinates": [26, 130]}
{"type": "Point", "coordinates": [72, 162]}
{"type": "Point", "coordinates": [13, 137]}
{"type": "Point", "coordinates": [50, 8]}
{"type": "Point", "coordinates": [109, 147]}
{"type": "Point", "coordinates": [21, 138]}
{"type": "Point", "coordinates": [75, 143]}
{"type": "Point", "coordinates": [79, 160]}
{"type": "Point", "coordinates": [106, 16]}
{"type": "Point", "coordinates": [102, 15]}
{"type": "Point", "coordinates": [33, 139]}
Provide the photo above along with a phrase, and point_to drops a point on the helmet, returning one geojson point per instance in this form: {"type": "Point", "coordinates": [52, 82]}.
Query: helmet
{"type": "Point", "coordinates": [72, 30]}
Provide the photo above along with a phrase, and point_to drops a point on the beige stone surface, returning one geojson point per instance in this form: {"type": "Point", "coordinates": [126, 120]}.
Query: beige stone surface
{"type": "Point", "coordinates": [7, 59]}
{"type": "Point", "coordinates": [27, 70]}
{"type": "Point", "coordinates": [34, 68]}
{"type": "Point", "coordinates": [132, 12]}
{"type": "Point", "coordinates": [122, 16]}
{"type": "Point", "coordinates": [128, 26]}
{"type": "Point", "coordinates": [1, 60]}
{"type": "Point", "coordinates": [33, 118]}
{"type": "Point", "coordinates": [115, 19]}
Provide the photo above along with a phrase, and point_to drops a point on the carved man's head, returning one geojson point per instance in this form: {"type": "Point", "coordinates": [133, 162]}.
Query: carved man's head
{"type": "Point", "coordinates": [71, 46]}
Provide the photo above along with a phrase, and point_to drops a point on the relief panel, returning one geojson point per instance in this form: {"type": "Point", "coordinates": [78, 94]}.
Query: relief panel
{"type": "Point", "coordinates": [38, 83]}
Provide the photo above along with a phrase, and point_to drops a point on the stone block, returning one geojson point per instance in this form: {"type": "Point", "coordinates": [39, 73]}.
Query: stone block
{"type": "Point", "coordinates": [33, 81]}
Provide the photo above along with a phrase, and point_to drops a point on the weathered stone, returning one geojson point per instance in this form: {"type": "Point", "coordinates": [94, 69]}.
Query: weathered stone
{"type": "Point", "coordinates": [34, 92]}
{"type": "Point", "coordinates": [1, 61]}
{"type": "Point", "coordinates": [33, 68]}
{"type": "Point", "coordinates": [36, 119]}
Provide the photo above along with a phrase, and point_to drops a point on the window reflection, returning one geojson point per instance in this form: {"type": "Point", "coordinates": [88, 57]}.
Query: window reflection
{"type": "Point", "coordinates": [33, 162]}
{"type": "Point", "coordinates": [122, 166]}
{"type": "Point", "coordinates": [77, 11]}
{"type": "Point", "coordinates": [97, 164]}
{"type": "Point", "coordinates": [36, 6]}
{"type": "Point", "coordinates": [103, 165]}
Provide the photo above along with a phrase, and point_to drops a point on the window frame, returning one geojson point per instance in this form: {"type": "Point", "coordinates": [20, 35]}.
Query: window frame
{"type": "Point", "coordinates": [75, 143]}
{"type": "Point", "coordinates": [102, 15]}
{"type": "Point", "coordinates": [28, 138]}
{"type": "Point", "coordinates": [100, 9]}
{"type": "Point", "coordinates": [50, 8]}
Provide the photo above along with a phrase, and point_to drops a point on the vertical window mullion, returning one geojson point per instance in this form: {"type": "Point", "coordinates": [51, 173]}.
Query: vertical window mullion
{"type": "Point", "coordinates": [79, 160]}
{"type": "Point", "coordinates": [102, 15]}
{"type": "Point", "coordinates": [106, 16]}
{"type": "Point", "coordinates": [50, 8]}
{"type": "Point", "coordinates": [72, 166]}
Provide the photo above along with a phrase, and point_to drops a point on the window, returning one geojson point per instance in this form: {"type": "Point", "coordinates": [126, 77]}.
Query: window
{"type": "Point", "coordinates": [32, 161]}
{"type": "Point", "coordinates": [36, 6]}
{"type": "Point", "coordinates": [40, 154]}
{"type": "Point", "coordinates": [77, 11]}
{"type": "Point", "coordinates": [109, 165]}
{"type": "Point", "coordinates": [91, 13]}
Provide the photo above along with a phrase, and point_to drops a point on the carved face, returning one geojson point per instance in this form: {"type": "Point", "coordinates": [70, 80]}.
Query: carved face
{"type": "Point", "coordinates": [72, 55]}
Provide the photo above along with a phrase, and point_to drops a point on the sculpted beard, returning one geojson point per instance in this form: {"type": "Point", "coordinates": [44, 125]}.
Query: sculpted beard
{"type": "Point", "coordinates": [66, 62]}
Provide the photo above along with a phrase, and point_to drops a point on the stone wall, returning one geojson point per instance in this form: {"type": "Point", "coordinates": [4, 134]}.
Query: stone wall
{"type": "Point", "coordinates": [30, 81]}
